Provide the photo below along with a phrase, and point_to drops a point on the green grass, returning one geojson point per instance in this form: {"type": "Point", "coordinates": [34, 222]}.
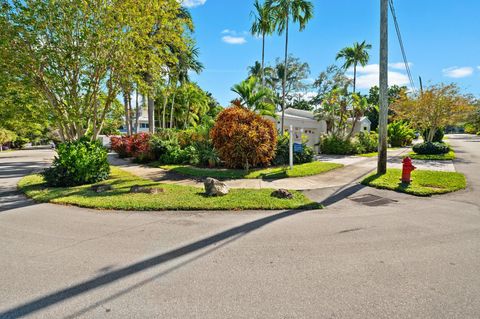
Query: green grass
{"type": "Point", "coordinates": [174, 197]}
{"type": "Point", "coordinates": [424, 183]}
{"type": "Point", "coordinates": [437, 157]}
{"type": "Point", "coordinates": [300, 170]}
{"type": "Point", "coordinates": [375, 154]}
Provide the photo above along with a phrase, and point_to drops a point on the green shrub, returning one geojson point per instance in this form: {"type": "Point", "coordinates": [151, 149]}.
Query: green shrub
{"type": "Point", "coordinates": [282, 155]}
{"type": "Point", "coordinates": [78, 163]}
{"type": "Point", "coordinates": [438, 137]}
{"type": "Point", "coordinates": [470, 128]}
{"type": "Point", "coordinates": [20, 142]}
{"type": "Point", "coordinates": [431, 148]}
{"type": "Point", "coordinates": [367, 142]}
{"type": "Point", "coordinates": [400, 134]}
{"type": "Point", "coordinates": [335, 145]}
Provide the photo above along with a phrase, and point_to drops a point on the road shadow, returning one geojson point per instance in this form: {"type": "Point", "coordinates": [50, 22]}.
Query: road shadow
{"type": "Point", "coordinates": [113, 276]}
{"type": "Point", "coordinates": [341, 194]}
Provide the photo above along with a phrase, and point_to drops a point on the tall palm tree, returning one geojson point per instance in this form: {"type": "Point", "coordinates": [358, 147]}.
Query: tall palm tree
{"type": "Point", "coordinates": [300, 11]}
{"type": "Point", "coordinates": [263, 25]}
{"type": "Point", "coordinates": [187, 61]}
{"type": "Point", "coordinates": [357, 54]}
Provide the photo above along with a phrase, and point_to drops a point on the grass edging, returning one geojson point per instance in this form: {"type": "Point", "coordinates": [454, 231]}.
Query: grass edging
{"type": "Point", "coordinates": [173, 197]}
{"type": "Point", "coordinates": [424, 182]}
{"type": "Point", "coordinates": [435, 157]}
{"type": "Point", "coordinates": [299, 170]}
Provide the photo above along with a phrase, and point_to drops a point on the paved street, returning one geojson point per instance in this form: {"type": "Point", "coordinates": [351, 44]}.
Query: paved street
{"type": "Point", "coordinates": [375, 254]}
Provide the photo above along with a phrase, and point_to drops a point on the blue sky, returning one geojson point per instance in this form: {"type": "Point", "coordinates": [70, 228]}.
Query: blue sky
{"type": "Point", "coordinates": [441, 38]}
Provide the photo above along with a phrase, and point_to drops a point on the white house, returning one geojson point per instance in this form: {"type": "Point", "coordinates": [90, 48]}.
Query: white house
{"type": "Point", "coordinates": [302, 122]}
{"type": "Point", "coordinates": [306, 123]}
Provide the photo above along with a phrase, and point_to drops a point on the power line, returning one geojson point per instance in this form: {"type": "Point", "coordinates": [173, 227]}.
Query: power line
{"type": "Point", "coordinates": [402, 47]}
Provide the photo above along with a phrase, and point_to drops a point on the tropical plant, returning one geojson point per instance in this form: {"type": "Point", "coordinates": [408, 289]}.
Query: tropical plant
{"type": "Point", "coordinates": [262, 25]}
{"type": "Point", "coordinates": [78, 163]}
{"type": "Point", "coordinates": [255, 97]}
{"type": "Point", "coordinates": [187, 62]}
{"type": "Point", "coordinates": [400, 134]}
{"type": "Point", "coordinates": [357, 54]}
{"type": "Point", "coordinates": [300, 11]}
{"type": "Point", "coordinates": [244, 139]}
{"type": "Point", "coordinates": [282, 154]}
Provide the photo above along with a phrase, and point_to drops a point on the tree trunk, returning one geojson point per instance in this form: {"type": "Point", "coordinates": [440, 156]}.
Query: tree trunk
{"type": "Point", "coordinates": [263, 59]}
{"type": "Point", "coordinates": [130, 112]}
{"type": "Point", "coordinates": [127, 114]}
{"type": "Point", "coordinates": [187, 121]}
{"type": "Point", "coordinates": [431, 134]}
{"type": "Point", "coordinates": [172, 108]}
{"type": "Point", "coordinates": [354, 76]}
{"type": "Point", "coordinates": [151, 114]}
{"type": "Point", "coordinates": [284, 80]}
{"type": "Point", "coordinates": [137, 113]}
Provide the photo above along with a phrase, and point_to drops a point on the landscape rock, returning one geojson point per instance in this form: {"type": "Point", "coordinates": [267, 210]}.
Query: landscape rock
{"type": "Point", "coordinates": [214, 187]}
{"type": "Point", "coordinates": [282, 193]}
{"type": "Point", "coordinates": [145, 190]}
{"type": "Point", "coordinates": [101, 188]}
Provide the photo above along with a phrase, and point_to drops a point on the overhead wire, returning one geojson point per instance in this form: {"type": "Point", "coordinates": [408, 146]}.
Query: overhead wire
{"type": "Point", "coordinates": [402, 47]}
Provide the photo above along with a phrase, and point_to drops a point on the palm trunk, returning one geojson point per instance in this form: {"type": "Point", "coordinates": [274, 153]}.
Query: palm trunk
{"type": "Point", "coordinates": [187, 121]}
{"type": "Point", "coordinates": [354, 76]}
{"type": "Point", "coordinates": [151, 106]}
{"type": "Point", "coordinates": [284, 81]}
{"type": "Point", "coordinates": [151, 114]}
{"type": "Point", "coordinates": [127, 113]}
{"type": "Point", "coordinates": [130, 112]}
{"type": "Point", "coordinates": [171, 109]}
{"type": "Point", "coordinates": [263, 59]}
{"type": "Point", "coordinates": [137, 113]}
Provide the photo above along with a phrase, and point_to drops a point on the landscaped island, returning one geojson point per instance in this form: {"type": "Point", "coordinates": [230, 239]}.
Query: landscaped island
{"type": "Point", "coordinates": [169, 197]}
{"type": "Point", "coordinates": [300, 170]}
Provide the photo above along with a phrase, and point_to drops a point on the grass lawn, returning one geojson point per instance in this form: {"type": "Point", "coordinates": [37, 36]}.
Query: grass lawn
{"type": "Point", "coordinates": [424, 183]}
{"type": "Point", "coordinates": [174, 197]}
{"type": "Point", "coordinates": [299, 170]}
{"type": "Point", "coordinates": [375, 154]}
{"type": "Point", "coordinates": [438, 157]}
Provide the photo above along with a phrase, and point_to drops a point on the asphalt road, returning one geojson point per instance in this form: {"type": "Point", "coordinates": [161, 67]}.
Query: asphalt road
{"type": "Point", "coordinates": [405, 258]}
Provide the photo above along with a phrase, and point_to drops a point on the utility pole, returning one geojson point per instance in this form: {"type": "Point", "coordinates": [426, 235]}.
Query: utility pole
{"type": "Point", "coordinates": [383, 81]}
{"type": "Point", "coordinates": [421, 85]}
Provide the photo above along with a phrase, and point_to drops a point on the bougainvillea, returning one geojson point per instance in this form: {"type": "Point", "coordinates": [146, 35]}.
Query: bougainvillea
{"type": "Point", "coordinates": [244, 138]}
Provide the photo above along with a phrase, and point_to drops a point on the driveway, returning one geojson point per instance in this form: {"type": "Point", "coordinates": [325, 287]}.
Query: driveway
{"type": "Point", "coordinates": [375, 254]}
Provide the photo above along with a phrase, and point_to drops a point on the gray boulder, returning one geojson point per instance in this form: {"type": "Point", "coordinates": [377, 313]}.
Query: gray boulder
{"type": "Point", "coordinates": [214, 187]}
{"type": "Point", "coordinates": [145, 190]}
{"type": "Point", "coordinates": [101, 188]}
{"type": "Point", "coordinates": [282, 193]}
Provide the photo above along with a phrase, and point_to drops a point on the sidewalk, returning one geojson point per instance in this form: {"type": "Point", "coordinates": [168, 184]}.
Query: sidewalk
{"type": "Point", "coordinates": [355, 168]}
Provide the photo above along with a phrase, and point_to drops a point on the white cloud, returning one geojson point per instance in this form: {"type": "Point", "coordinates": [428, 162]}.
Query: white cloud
{"type": "Point", "coordinates": [234, 40]}
{"type": "Point", "coordinates": [368, 76]}
{"type": "Point", "coordinates": [193, 3]}
{"type": "Point", "coordinates": [399, 65]}
{"type": "Point", "coordinates": [457, 72]}
{"type": "Point", "coordinates": [478, 67]}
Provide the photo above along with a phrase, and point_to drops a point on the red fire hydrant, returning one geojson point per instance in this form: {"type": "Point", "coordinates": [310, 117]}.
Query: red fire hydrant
{"type": "Point", "coordinates": [407, 170]}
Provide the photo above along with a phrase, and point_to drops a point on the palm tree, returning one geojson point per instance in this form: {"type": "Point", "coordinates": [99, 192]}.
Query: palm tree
{"type": "Point", "coordinates": [263, 25]}
{"type": "Point", "coordinates": [187, 61]}
{"type": "Point", "coordinates": [300, 11]}
{"type": "Point", "coordinates": [357, 54]}
{"type": "Point", "coordinates": [254, 96]}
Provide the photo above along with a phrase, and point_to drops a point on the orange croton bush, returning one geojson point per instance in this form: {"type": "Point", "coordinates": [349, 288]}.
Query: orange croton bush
{"type": "Point", "coordinates": [244, 139]}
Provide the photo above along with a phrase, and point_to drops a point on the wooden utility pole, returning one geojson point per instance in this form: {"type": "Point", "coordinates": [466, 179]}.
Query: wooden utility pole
{"type": "Point", "coordinates": [383, 81]}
